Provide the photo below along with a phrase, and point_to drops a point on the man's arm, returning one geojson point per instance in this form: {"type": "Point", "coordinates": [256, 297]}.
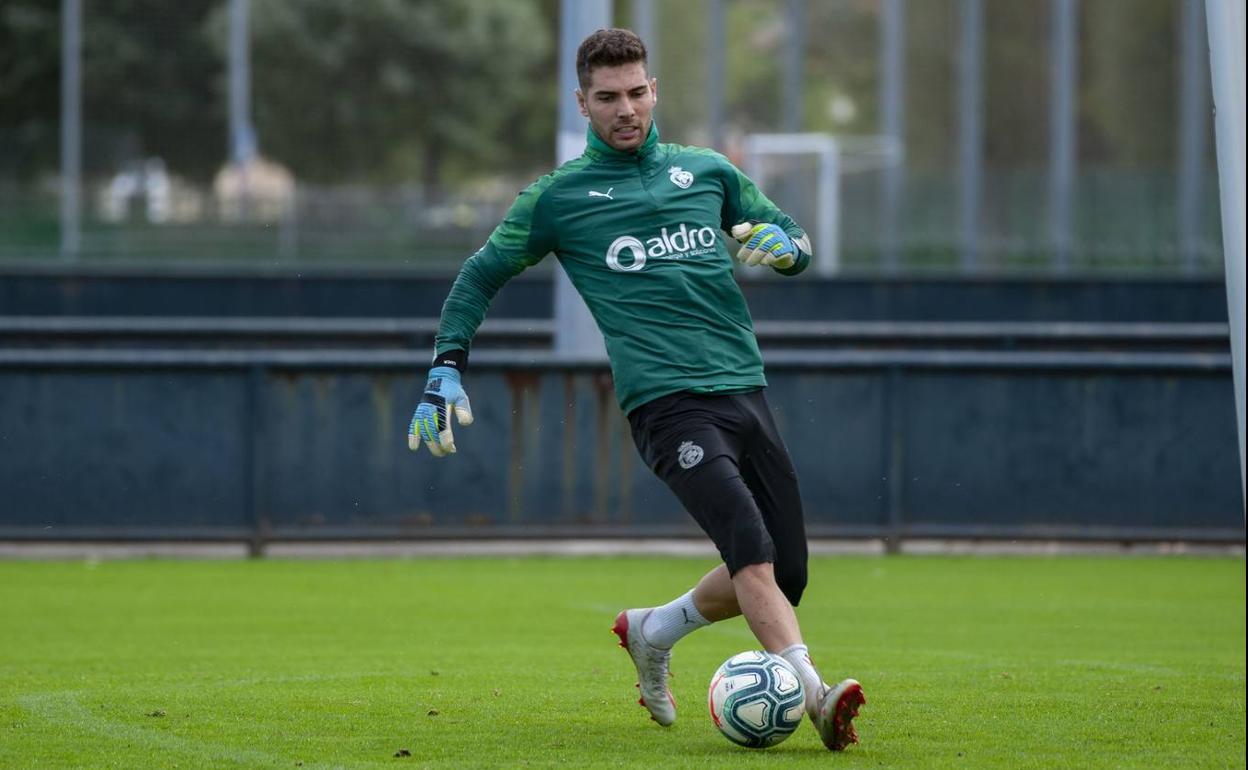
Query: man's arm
{"type": "Point", "coordinates": [522, 239]}
{"type": "Point", "coordinates": [479, 280]}
{"type": "Point", "coordinates": [744, 203]}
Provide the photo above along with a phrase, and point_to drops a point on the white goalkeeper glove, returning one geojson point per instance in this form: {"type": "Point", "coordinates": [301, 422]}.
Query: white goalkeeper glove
{"type": "Point", "coordinates": [764, 244]}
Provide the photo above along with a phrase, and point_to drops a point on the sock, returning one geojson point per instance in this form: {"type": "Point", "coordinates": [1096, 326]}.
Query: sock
{"type": "Point", "coordinates": [799, 656]}
{"type": "Point", "coordinates": [670, 623]}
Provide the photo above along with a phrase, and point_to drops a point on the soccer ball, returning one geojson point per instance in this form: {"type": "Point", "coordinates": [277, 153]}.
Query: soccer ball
{"type": "Point", "coordinates": [756, 699]}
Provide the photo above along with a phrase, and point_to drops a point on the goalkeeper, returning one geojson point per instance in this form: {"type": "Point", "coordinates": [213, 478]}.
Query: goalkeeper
{"type": "Point", "coordinates": [635, 224]}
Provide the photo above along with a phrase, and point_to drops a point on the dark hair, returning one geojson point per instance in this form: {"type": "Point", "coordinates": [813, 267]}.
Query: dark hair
{"type": "Point", "coordinates": [607, 48]}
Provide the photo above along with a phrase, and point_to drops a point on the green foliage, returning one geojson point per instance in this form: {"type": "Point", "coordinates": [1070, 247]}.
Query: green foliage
{"type": "Point", "coordinates": [30, 44]}
{"type": "Point", "coordinates": [967, 663]}
{"type": "Point", "coordinates": [147, 73]}
{"type": "Point", "coordinates": [385, 91]}
{"type": "Point", "coordinates": [343, 91]}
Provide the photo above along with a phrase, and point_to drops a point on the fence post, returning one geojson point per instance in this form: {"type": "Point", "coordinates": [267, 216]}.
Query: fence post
{"type": "Point", "coordinates": [253, 469]}
{"type": "Point", "coordinates": [71, 128]}
{"type": "Point", "coordinates": [894, 441]}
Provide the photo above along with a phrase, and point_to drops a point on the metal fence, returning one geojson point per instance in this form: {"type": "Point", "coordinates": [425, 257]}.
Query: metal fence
{"type": "Point", "coordinates": [1056, 134]}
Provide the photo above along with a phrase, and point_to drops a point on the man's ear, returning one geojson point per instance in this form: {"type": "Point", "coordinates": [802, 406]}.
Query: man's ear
{"type": "Point", "coordinates": [580, 103]}
{"type": "Point", "coordinates": [654, 89]}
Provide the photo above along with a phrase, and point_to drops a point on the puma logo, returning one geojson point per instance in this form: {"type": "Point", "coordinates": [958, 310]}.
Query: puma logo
{"type": "Point", "coordinates": [607, 194]}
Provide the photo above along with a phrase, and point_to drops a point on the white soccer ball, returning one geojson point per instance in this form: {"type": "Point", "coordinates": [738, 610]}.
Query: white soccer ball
{"type": "Point", "coordinates": [756, 699]}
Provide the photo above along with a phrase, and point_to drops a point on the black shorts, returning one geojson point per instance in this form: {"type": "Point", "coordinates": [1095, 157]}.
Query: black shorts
{"type": "Point", "coordinates": [724, 459]}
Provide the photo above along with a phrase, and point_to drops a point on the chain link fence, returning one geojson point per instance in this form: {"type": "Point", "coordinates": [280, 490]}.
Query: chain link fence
{"type": "Point", "coordinates": [400, 133]}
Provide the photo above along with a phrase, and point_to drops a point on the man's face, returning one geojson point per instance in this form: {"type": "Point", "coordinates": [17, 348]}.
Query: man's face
{"type": "Point", "coordinates": [619, 104]}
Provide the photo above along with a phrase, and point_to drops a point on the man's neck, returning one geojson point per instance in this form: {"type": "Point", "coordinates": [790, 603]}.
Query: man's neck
{"type": "Point", "coordinates": [600, 146]}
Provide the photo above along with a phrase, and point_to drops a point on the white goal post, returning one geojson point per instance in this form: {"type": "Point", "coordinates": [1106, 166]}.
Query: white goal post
{"type": "Point", "coordinates": [834, 156]}
{"type": "Point", "coordinates": [1226, 59]}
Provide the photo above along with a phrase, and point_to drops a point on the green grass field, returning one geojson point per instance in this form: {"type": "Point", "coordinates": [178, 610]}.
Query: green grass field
{"type": "Point", "coordinates": [967, 662]}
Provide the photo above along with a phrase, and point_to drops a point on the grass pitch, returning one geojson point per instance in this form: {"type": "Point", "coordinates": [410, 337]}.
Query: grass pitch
{"type": "Point", "coordinates": [966, 662]}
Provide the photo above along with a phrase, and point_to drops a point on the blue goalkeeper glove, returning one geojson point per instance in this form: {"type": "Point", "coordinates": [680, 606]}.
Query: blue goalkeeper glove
{"type": "Point", "coordinates": [431, 423]}
{"type": "Point", "coordinates": [764, 244]}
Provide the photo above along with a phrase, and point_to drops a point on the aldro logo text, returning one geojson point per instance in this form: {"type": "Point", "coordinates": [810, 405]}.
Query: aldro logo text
{"type": "Point", "coordinates": [628, 253]}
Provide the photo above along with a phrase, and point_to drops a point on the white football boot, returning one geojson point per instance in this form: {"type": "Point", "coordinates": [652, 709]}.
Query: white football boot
{"type": "Point", "coordinates": [835, 717]}
{"type": "Point", "coordinates": [651, 663]}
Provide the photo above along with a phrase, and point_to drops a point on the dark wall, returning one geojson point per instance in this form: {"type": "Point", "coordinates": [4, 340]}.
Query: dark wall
{"type": "Point", "coordinates": [312, 444]}
{"type": "Point", "coordinates": [239, 427]}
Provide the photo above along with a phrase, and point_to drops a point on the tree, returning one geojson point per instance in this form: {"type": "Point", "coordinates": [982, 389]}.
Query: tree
{"type": "Point", "coordinates": [343, 90]}
{"type": "Point", "coordinates": [146, 68]}
{"type": "Point", "coordinates": [30, 45]}
{"type": "Point", "coordinates": [383, 91]}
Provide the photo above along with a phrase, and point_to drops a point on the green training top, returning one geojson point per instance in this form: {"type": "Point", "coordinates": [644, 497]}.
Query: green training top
{"type": "Point", "coordinates": [639, 236]}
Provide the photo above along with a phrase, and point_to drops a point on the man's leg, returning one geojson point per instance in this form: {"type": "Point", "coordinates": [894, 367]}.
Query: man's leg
{"type": "Point", "coordinates": [751, 592]}
{"type": "Point", "coordinates": [720, 493]}
{"type": "Point", "coordinates": [649, 633]}
{"type": "Point", "coordinates": [669, 623]}
{"type": "Point", "coordinates": [771, 618]}
{"type": "Point", "coordinates": [661, 430]}
{"type": "Point", "coordinates": [715, 596]}
{"type": "Point", "coordinates": [768, 613]}
{"type": "Point", "coordinates": [717, 496]}
{"type": "Point", "coordinates": [712, 491]}
{"type": "Point", "coordinates": [772, 480]}
{"type": "Point", "coordinates": [651, 663]}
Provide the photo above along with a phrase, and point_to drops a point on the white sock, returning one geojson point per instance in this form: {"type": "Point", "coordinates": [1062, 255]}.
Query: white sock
{"type": "Point", "coordinates": [670, 623]}
{"type": "Point", "coordinates": [812, 683]}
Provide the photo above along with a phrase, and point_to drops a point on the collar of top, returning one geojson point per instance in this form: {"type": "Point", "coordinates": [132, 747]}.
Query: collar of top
{"type": "Point", "coordinates": [599, 148]}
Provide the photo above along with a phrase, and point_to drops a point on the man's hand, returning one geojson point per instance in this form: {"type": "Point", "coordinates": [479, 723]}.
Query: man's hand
{"type": "Point", "coordinates": [764, 244]}
{"type": "Point", "coordinates": [431, 423]}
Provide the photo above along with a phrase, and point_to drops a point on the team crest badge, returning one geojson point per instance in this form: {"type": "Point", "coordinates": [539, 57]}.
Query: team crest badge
{"type": "Point", "coordinates": [689, 454]}
{"type": "Point", "coordinates": [680, 177]}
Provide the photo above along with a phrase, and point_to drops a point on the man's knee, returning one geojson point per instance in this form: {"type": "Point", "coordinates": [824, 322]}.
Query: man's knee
{"type": "Point", "coordinates": [759, 572]}
{"type": "Point", "coordinates": [791, 578]}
